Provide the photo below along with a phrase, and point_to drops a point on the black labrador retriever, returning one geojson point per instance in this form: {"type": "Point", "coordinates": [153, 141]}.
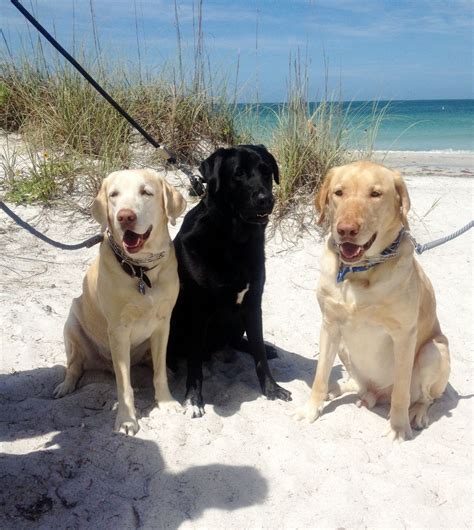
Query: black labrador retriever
{"type": "Point", "coordinates": [221, 265]}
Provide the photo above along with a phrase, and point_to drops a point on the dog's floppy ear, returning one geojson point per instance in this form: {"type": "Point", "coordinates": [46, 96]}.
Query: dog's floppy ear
{"type": "Point", "coordinates": [210, 169]}
{"type": "Point", "coordinates": [404, 198]}
{"type": "Point", "coordinates": [99, 206]}
{"type": "Point", "coordinates": [173, 201]}
{"type": "Point", "coordinates": [271, 160]}
{"type": "Point", "coordinates": [321, 199]}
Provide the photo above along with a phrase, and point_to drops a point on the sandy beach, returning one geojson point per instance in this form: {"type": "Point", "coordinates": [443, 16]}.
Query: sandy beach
{"type": "Point", "coordinates": [247, 463]}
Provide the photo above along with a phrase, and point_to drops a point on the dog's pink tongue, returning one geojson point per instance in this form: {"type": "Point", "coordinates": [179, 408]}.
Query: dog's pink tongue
{"type": "Point", "coordinates": [349, 250]}
{"type": "Point", "coordinates": [131, 239]}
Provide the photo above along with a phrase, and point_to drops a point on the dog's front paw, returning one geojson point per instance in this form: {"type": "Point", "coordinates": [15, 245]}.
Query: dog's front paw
{"type": "Point", "coordinates": [126, 424]}
{"type": "Point", "coordinates": [273, 391]}
{"type": "Point", "coordinates": [419, 416]}
{"type": "Point", "coordinates": [63, 389]}
{"type": "Point", "coordinates": [193, 407]}
{"type": "Point", "coordinates": [399, 428]}
{"type": "Point", "coordinates": [309, 411]}
{"type": "Point", "coordinates": [169, 406]}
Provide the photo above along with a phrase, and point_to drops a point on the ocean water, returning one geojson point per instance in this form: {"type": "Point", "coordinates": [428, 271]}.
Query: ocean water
{"type": "Point", "coordinates": [423, 125]}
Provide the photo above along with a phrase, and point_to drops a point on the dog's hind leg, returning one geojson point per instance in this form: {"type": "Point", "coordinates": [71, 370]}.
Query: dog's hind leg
{"type": "Point", "coordinates": [367, 399]}
{"type": "Point", "coordinates": [338, 388]}
{"type": "Point", "coordinates": [350, 385]}
{"type": "Point", "coordinates": [74, 368]}
{"type": "Point", "coordinates": [241, 343]}
{"type": "Point", "coordinates": [430, 378]}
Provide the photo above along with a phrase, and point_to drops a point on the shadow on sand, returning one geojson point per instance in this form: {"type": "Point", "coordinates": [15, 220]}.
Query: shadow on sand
{"type": "Point", "coordinates": [230, 379]}
{"type": "Point", "coordinates": [441, 408]}
{"type": "Point", "coordinates": [89, 477]}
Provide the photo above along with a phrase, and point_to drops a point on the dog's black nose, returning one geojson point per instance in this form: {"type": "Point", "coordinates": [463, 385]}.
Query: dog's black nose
{"type": "Point", "coordinates": [264, 200]}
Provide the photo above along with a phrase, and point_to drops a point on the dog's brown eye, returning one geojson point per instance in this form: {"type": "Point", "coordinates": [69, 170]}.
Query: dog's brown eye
{"type": "Point", "coordinates": [375, 194]}
{"type": "Point", "coordinates": [338, 193]}
{"type": "Point", "coordinates": [113, 193]}
{"type": "Point", "coordinates": [239, 172]}
{"type": "Point", "coordinates": [146, 192]}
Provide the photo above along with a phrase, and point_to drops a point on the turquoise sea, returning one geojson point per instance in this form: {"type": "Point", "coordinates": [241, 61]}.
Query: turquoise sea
{"type": "Point", "coordinates": [423, 125]}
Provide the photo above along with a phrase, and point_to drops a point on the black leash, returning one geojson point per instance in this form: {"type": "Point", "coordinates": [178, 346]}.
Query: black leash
{"type": "Point", "coordinates": [91, 80]}
{"type": "Point", "coordinates": [195, 180]}
{"type": "Point", "coordinates": [197, 188]}
{"type": "Point", "coordinates": [87, 243]}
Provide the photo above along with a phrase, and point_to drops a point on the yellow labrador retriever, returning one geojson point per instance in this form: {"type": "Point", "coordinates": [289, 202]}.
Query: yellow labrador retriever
{"type": "Point", "coordinates": [377, 304]}
{"type": "Point", "coordinates": [129, 291]}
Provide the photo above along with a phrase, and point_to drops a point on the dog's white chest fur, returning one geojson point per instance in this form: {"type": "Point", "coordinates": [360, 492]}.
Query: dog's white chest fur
{"type": "Point", "coordinates": [140, 318]}
{"type": "Point", "coordinates": [141, 331]}
{"type": "Point", "coordinates": [241, 295]}
{"type": "Point", "coordinates": [368, 345]}
{"type": "Point", "coordinates": [370, 352]}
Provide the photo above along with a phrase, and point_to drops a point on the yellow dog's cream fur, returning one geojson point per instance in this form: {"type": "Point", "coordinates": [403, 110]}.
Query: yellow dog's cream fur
{"type": "Point", "coordinates": [111, 323]}
{"type": "Point", "coordinates": [382, 321]}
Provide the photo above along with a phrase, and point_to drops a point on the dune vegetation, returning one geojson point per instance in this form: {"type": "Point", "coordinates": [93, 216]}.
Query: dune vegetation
{"type": "Point", "coordinates": [73, 137]}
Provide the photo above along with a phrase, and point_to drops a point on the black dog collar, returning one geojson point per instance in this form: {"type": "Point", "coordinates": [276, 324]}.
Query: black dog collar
{"type": "Point", "coordinates": [132, 268]}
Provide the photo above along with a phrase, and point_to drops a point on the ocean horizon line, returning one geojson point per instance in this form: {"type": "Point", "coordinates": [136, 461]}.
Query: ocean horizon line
{"type": "Point", "coordinates": [427, 151]}
{"type": "Point", "coordinates": [354, 101]}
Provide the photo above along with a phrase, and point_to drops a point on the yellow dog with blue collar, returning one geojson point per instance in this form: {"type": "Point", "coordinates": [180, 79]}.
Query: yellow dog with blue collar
{"type": "Point", "coordinates": [378, 306]}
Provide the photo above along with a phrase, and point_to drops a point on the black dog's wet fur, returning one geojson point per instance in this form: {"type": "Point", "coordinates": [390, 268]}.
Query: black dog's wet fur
{"type": "Point", "coordinates": [220, 249]}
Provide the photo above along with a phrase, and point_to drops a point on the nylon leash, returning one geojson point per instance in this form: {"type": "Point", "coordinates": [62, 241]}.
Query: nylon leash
{"type": "Point", "coordinates": [197, 188]}
{"type": "Point", "coordinates": [91, 80]}
{"type": "Point", "coordinates": [419, 249]}
{"type": "Point", "coordinates": [87, 243]}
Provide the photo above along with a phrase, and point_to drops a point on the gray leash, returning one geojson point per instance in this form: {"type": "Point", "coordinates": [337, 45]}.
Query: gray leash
{"type": "Point", "coordinates": [419, 248]}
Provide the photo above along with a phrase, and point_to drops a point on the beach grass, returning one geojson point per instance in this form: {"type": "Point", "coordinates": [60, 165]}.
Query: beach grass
{"type": "Point", "coordinates": [310, 139]}
{"type": "Point", "coordinates": [57, 111]}
{"type": "Point", "coordinates": [74, 137]}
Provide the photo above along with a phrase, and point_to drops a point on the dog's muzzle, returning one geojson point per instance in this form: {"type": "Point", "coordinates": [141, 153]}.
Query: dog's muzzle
{"type": "Point", "coordinates": [133, 242]}
{"type": "Point", "coordinates": [351, 253]}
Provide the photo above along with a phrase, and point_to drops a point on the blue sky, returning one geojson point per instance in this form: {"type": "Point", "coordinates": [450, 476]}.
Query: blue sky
{"type": "Point", "coordinates": [373, 49]}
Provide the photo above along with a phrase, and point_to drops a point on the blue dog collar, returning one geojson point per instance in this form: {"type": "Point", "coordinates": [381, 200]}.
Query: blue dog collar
{"type": "Point", "coordinates": [388, 253]}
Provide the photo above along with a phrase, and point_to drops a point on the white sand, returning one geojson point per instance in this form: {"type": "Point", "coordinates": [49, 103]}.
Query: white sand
{"type": "Point", "coordinates": [246, 463]}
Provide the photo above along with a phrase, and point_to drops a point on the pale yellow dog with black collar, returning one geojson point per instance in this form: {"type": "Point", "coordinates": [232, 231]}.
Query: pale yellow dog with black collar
{"type": "Point", "coordinates": [129, 291]}
{"type": "Point", "coordinates": [377, 304]}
